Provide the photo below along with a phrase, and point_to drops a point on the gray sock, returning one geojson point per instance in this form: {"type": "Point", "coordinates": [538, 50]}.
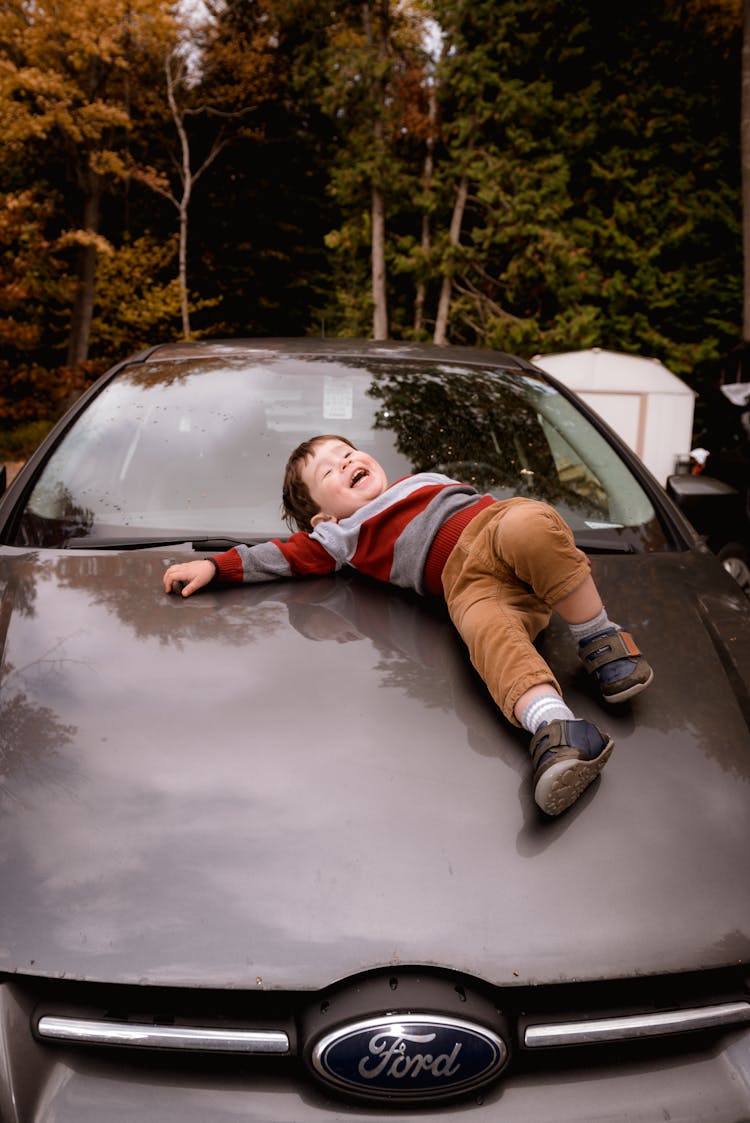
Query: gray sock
{"type": "Point", "coordinates": [550, 707]}
{"type": "Point", "coordinates": [589, 628]}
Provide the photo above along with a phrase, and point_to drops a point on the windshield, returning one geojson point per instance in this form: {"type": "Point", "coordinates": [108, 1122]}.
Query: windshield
{"type": "Point", "coordinates": [197, 447]}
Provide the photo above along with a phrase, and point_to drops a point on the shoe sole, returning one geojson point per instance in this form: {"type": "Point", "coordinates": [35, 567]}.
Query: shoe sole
{"type": "Point", "coordinates": [562, 783]}
{"type": "Point", "coordinates": [623, 695]}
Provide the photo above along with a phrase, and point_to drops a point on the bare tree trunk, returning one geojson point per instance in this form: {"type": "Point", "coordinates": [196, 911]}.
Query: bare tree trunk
{"type": "Point", "coordinates": [183, 203]}
{"type": "Point", "coordinates": [379, 289]}
{"type": "Point", "coordinates": [377, 217]}
{"type": "Point", "coordinates": [745, 148]}
{"type": "Point", "coordinates": [182, 268]}
{"type": "Point", "coordinates": [175, 71]}
{"type": "Point", "coordinates": [441, 321]}
{"type": "Point", "coordinates": [83, 300]}
{"type": "Point", "coordinates": [421, 293]}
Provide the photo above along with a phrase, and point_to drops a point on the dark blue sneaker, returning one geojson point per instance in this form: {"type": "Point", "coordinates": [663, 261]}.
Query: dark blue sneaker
{"type": "Point", "coordinates": [567, 756]}
{"type": "Point", "coordinates": [616, 663]}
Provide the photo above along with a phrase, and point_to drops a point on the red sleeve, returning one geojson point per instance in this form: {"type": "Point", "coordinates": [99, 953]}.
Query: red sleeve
{"type": "Point", "coordinates": [228, 566]}
{"type": "Point", "coordinates": [298, 556]}
{"type": "Point", "coordinates": [305, 556]}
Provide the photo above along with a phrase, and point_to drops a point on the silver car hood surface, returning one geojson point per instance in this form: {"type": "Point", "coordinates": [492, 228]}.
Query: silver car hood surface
{"type": "Point", "coordinates": [281, 786]}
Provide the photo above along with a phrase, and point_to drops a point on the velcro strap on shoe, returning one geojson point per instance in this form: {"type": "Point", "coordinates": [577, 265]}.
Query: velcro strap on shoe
{"type": "Point", "coordinates": [605, 649]}
{"type": "Point", "coordinates": [550, 736]}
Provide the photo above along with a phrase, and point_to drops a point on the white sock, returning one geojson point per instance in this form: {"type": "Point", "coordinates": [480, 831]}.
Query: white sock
{"type": "Point", "coordinates": [589, 628]}
{"type": "Point", "coordinates": [550, 707]}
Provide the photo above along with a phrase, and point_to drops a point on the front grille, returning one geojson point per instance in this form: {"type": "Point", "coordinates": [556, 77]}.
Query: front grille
{"type": "Point", "coordinates": [264, 1025]}
{"type": "Point", "coordinates": [141, 1035]}
{"type": "Point", "coordinates": [635, 1027]}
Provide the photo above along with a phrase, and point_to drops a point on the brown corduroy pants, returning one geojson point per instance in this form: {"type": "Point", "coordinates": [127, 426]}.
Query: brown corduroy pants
{"type": "Point", "coordinates": [512, 564]}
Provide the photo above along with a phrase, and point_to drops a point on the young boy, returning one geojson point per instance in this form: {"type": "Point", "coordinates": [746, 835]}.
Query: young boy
{"type": "Point", "coordinates": [502, 566]}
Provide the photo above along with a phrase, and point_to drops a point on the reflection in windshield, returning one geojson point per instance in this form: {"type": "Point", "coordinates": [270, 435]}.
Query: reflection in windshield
{"type": "Point", "coordinates": [485, 431]}
{"type": "Point", "coordinates": [198, 447]}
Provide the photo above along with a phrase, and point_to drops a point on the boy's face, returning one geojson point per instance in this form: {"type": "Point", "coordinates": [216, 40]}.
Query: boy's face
{"type": "Point", "coordinates": [341, 479]}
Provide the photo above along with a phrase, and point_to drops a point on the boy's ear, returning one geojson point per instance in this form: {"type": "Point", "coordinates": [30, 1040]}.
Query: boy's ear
{"type": "Point", "coordinates": [322, 518]}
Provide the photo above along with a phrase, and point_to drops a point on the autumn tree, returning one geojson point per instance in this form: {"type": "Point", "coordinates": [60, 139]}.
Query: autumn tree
{"type": "Point", "coordinates": [29, 270]}
{"type": "Point", "coordinates": [66, 84]}
{"type": "Point", "coordinates": [32, 285]}
{"type": "Point", "coordinates": [138, 297]}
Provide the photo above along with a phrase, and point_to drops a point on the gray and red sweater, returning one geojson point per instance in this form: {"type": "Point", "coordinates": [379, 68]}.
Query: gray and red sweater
{"type": "Point", "coordinates": [403, 537]}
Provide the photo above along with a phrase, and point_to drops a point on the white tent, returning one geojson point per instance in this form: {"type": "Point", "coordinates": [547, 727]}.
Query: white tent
{"type": "Point", "coordinates": [647, 405]}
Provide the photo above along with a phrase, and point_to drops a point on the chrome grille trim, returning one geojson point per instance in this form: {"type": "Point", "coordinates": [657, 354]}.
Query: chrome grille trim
{"type": "Point", "coordinates": [632, 1027]}
{"type": "Point", "coordinates": [197, 1039]}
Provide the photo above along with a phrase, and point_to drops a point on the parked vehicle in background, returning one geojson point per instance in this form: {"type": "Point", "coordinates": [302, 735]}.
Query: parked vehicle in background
{"type": "Point", "coordinates": [271, 853]}
{"type": "Point", "coordinates": [716, 496]}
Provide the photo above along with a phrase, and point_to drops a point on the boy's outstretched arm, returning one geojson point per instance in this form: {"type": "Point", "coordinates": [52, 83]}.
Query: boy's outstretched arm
{"type": "Point", "coordinates": [193, 575]}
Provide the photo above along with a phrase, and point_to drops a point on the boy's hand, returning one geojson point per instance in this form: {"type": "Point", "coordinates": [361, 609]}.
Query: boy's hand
{"type": "Point", "coordinates": [192, 575]}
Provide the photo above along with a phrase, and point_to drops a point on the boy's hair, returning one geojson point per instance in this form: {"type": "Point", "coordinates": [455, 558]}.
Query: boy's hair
{"type": "Point", "coordinates": [297, 504]}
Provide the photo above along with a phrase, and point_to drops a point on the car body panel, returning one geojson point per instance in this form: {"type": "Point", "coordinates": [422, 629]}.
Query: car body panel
{"type": "Point", "coordinates": [275, 807]}
{"type": "Point", "coordinates": [169, 816]}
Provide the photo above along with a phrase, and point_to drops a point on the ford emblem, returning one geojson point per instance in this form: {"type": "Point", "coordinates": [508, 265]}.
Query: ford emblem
{"type": "Point", "coordinates": [409, 1056]}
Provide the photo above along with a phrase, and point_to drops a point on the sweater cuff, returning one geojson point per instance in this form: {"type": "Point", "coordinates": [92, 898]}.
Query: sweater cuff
{"type": "Point", "coordinates": [228, 566]}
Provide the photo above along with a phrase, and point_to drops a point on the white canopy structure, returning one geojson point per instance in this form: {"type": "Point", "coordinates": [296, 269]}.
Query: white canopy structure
{"type": "Point", "coordinates": [646, 405]}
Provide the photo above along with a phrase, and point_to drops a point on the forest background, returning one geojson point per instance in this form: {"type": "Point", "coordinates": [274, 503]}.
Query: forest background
{"type": "Point", "coordinates": [523, 175]}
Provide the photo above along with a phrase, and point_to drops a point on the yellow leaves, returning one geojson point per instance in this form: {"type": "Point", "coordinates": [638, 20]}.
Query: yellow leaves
{"type": "Point", "coordinates": [73, 32]}
{"type": "Point", "coordinates": [136, 299]}
{"type": "Point", "coordinates": [64, 65]}
{"type": "Point", "coordinates": [94, 117]}
{"type": "Point", "coordinates": [109, 163]}
{"type": "Point", "coordinates": [19, 215]}
{"type": "Point", "coordinates": [88, 125]}
{"type": "Point", "coordinates": [44, 84]}
{"type": "Point", "coordinates": [79, 237]}
{"type": "Point", "coordinates": [155, 180]}
{"type": "Point", "coordinates": [29, 101]}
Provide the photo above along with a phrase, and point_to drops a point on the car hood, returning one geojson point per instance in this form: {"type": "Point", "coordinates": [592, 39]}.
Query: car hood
{"type": "Point", "coordinates": [279, 786]}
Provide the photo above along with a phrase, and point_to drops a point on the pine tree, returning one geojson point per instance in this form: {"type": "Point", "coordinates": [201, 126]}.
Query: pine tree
{"type": "Point", "coordinates": [366, 86]}
{"type": "Point", "coordinates": [658, 198]}
{"type": "Point", "coordinates": [509, 133]}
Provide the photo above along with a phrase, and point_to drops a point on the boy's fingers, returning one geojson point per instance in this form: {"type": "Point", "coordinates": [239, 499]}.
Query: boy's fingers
{"type": "Point", "coordinates": [174, 580]}
{"type": "Point", "coordinates": [169, 580]}
{"type": "Point", "coordinates": [185, 579]}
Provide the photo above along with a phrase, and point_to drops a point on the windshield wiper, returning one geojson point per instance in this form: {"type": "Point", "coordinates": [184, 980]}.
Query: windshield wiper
{"type": "Point", "coordinates": [599, 542]}
{"type": "Point", "coordinates": [593, 542]}
{"type": "Point", "coordinates": [215, 543]}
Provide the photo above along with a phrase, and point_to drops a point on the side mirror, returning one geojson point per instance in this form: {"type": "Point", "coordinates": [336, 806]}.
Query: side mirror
{"type": "Point", "coordinates": [711, 506]}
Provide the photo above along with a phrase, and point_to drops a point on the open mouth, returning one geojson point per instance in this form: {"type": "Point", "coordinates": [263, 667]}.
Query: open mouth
{"type": "Point", "coordinates": [360, 474]}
